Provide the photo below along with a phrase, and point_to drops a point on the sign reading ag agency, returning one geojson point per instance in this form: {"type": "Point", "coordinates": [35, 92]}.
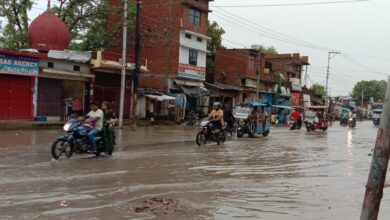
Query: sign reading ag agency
{"type": "Point", "coordinates": [10, 64]}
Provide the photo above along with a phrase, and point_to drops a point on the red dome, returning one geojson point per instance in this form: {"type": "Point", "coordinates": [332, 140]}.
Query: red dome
{"type": "Point", "coordinates": [48, 32]}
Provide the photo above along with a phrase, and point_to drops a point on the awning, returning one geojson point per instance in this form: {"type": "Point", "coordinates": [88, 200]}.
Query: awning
{"type": "Point", "coordinates": [160, 98]}
{"type": "Point", "coordinates": [195, 91]}
{"type": "Point", "coordinates": [223, 87]}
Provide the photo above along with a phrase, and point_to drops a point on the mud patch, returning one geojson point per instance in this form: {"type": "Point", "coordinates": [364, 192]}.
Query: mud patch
{"type": "Point", "coordinates": [160, 206]}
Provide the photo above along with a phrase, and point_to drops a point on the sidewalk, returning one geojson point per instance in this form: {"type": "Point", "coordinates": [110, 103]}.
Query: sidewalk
{"type": "Point", "coordinates": [32, 125]}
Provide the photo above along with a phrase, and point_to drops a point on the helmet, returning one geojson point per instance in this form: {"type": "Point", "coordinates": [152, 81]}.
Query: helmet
{"type": "Point", "coordinates": [217, 104]}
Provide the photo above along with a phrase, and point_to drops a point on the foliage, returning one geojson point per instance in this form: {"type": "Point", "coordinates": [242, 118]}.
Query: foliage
{"type": "Point", "coordinates": [319, 89]}
{"type": "Point", "coordinates": [264, 49]}
{"type": "Point", "coordinates": [373, 88]}
{"type": "Point", "coordinates": [88, 20]}
{"type": "Point", "coordinates": [215, 32]}
{"type": "Point", "coordinates": [14, 34]}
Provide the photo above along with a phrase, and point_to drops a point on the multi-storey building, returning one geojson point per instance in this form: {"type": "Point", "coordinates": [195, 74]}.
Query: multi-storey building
{"type": "Point", "coordinates": [174, 41]}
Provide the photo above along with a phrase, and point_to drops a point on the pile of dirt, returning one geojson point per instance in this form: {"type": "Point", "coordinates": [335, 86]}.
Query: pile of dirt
{"type": "Point", "coordinates": [159, 206]}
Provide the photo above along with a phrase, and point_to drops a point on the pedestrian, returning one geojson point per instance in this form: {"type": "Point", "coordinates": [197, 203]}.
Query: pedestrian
{"type": "Point", "coordinates": [254, 118]}
{"type": "Point", "coordinates": [97, 117]}
{"type": "Point", "coordinates": [108, 131]}
{"type": "Point", "coordinates": [77, 107]}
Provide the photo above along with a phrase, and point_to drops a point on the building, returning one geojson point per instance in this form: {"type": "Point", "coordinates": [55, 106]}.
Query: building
{"type": "Point", "coordinates": [64, 75]}
{"type": "Point", "coordinates": [18, 73]}
{"type": "Point", "coordinates": [174, 41]}
{"type": "Point", "coordinates": [285, 76]}
{"type": "Point", "coordinates": [236, 71]}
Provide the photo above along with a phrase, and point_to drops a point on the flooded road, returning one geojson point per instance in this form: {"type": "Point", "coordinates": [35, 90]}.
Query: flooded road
{"type": "Point", "coordinates": [287, 176]}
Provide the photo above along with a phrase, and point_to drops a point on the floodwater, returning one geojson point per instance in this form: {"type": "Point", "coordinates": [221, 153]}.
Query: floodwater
{"type": "Point", "coordinates": [286, 176]}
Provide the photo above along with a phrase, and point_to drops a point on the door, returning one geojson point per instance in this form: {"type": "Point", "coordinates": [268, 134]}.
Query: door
{"type": "Point", "coordinates": [50, 97]}
{"type": "Point", "coordinates": [16, 97]}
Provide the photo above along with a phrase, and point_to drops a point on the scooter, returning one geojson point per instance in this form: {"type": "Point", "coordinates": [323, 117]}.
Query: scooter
{"type": "Point", "coordinates": [209, 133]}
{"type": "Point", "coordinates": [76, 141]}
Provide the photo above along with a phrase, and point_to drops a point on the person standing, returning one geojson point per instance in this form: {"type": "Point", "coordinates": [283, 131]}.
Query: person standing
{"type": "Point", "coordinates": [254, 119]}
{"type": "Point", "coordinates": [109, 120]}
{"type": "Point", "coordinates": [97, 117]}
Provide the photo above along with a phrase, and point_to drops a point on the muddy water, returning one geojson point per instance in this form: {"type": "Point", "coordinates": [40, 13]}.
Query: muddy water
{"type": "Point", "coordinates": [288, 175]}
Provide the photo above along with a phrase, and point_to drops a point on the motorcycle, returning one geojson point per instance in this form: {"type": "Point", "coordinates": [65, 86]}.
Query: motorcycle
{"type": "Point", "coordinates": [192, 118]}
{"type": "Point", "coordinates": [230, 128]}
{"type": "Point", "coordinates": [352, 122]}
{"type": "Point", "coordinates": [76, 141]}
{"type": "Point", "coordinates": [296, 125]}
{"type": "Point", "coordinates": [209, 133]}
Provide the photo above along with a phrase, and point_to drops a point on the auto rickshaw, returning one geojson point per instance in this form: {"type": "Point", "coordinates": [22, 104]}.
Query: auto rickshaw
{"type": "Point", "coordinates": [376, 117]}
{"type": "Point", "coordinates": [316, 118]}
{"type": "Point", "coordinates": [242, 114]}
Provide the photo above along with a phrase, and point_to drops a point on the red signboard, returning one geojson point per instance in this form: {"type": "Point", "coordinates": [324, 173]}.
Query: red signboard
{"type": "Point", "coordinates": [295, 99]}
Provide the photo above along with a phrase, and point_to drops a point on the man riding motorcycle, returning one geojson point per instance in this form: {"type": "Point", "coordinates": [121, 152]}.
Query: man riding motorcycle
{"type": "Point", "coordinates": [216, 116]}
{"type": "Point", "coordinates": [96, 115]}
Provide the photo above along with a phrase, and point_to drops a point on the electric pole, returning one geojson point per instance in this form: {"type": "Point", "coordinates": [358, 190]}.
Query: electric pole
{"type": "Point", "coordinates": [331, 54]}
{"type": "Point", "coordinates": [137, 69]}
{"type": "Point", "coordinates": [362, 101]}
{"type": "Point", "coordinates": [379, 164]}
{"type": "Point", "coordinates": [258, 75]}
{"type": "Point", "coordinates": [123, 63]}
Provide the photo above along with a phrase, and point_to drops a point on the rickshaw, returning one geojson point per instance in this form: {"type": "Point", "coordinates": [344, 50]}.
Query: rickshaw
{"type": "Point", "coordinates": [376, 117]}
{"type": "Point", "coordinates": [316, 119]}
{"type": "Point", "coordinates": [242, 114]}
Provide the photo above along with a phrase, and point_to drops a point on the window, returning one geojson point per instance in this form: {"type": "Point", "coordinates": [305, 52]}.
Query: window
{"type": "Point", "coordinates": [188, 36]}
{"type": "Point", "coordinates": [199, 39]}
{"type": "Point", "coordinates": [252, 62]}
{"type": "Point", "coordinates": [195, 16]}
{"type": "Point", "coordinates": [50, 65]}
{"type": "Point", "coordinates": [76, 68]}
{"type": "Point", "coordinates": [193, 58]}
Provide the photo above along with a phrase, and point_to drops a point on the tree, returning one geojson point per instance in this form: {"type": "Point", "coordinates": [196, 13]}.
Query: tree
{"type": "Point", "coordinates": [373, 88]}
{"type": "Point", "coordinates": [264, 49]}
{"type": "Point", "coordinates": [88, 21]}
{"type": "Point", "coordinates": [215, 32]}
{"type": "Point", "coordinates": [14, 34]}
{"type": "Point", "coordinates": [318, 89]}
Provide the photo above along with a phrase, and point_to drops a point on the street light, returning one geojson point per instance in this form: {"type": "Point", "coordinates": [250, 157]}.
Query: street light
{"type": "Point", "coordinates": [331, 54]}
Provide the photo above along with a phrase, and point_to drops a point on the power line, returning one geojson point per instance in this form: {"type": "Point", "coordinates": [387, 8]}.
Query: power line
{"type": "Point", "coordinates": [289, 4]}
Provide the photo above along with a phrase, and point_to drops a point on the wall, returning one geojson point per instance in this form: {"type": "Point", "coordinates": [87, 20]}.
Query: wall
{"type": "Point", "coordinates": [234, 63]}
{"type": "Point", "coordinates": [65, 65]}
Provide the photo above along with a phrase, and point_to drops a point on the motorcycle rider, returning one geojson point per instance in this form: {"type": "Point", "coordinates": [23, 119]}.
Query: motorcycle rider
{"type": "Point", "coordinates": [96, 116]}
{"type": "Point", "coordinates": [216, 116]}
{"type": "Point", "coordinates": [228, 116]}
{"type": "Point", "coordinates": [296, 115]}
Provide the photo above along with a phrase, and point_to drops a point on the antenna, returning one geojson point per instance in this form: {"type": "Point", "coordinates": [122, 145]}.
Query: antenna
{"type": "Point", "coordinates": [48, 5]}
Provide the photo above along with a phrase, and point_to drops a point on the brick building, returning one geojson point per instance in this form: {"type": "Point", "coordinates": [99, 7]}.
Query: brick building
{"type": "Point", "coordinates": [238, 68]}
{"type": "Point", "coordinates": [174, 41]}
{"type": "Point", "coordinates": [287, 70]}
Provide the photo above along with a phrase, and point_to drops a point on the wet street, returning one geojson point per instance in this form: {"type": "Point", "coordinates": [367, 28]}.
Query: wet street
{"type": "Point", "coordinates": [286, 176]}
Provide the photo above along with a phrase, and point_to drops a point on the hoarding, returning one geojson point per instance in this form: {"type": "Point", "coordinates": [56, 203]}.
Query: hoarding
{"type": "Point", "coordinates": [192, 72]}
{"type": "Point", "coordinates": [10, 64]}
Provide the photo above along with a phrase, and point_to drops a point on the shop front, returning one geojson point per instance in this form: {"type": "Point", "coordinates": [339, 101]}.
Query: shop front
{"type": "Point", "coordinates": [17, 84]}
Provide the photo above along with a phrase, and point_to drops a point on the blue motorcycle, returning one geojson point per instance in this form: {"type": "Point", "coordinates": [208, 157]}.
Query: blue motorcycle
{"type": "Point", "coordinates": [76, 141]}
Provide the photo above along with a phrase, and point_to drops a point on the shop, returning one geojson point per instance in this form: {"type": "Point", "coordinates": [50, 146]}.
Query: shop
{"type": "Point", "coordinates": [17, 84]}
{"type": "Point", "coordinates": [63, 82]}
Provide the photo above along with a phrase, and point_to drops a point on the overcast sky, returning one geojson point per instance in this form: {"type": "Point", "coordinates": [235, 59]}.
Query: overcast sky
{"type": "Point", "coordinates": [360, 31]}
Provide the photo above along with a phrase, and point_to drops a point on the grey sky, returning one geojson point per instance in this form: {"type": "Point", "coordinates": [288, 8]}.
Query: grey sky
{"type": "Point", "coordinates": [361, 28]}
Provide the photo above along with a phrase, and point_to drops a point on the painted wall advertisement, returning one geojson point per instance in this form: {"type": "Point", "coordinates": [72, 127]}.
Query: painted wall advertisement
{"type": "Point", "coordinates": [192, 72]}
{"type": "Point", "coordinates": [295, 99]}
{"type": "Point", "coordinates": [19, 65]}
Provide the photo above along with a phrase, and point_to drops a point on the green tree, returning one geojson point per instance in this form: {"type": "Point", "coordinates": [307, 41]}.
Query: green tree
{"type": "Point", "coordinates": [264, 49]}
{"type": "Point", "coordinates": [14, 34]}
{"type": "Point", "coordinates": [88, 21]}
{"type": "Point", "coordinates": [215, 32]}
{"type": "Point", "coordinates": [318, 89]}
{"type": "Point", "coordinates": [373, 88]}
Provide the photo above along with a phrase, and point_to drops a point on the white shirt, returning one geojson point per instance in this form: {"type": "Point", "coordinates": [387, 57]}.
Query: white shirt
{"type": "Point", "coordinates": [97, 114]}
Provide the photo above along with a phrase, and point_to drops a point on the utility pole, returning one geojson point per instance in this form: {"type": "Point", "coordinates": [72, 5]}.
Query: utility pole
{"type": "Point", "coordinates": [258, 75]}
{"type": "Point", "coordinates": [331, 54]}
{"type": "Point", "coordinates": [362, 101]}
{"type": "Point", "coordinates": [137, 70]}
{"type": "Point", "coordinates": [380, 161]}
{"type": "Point", "coordinates": [123, 62]}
